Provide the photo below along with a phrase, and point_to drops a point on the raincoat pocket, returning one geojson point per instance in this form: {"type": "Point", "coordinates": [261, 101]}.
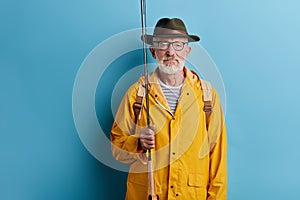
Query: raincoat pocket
{"type": "Point", "coordinates": [196, 180]}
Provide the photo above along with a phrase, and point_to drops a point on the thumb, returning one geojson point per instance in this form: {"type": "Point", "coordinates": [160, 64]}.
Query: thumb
{"type": "Point", "coordinates": [152, 127]}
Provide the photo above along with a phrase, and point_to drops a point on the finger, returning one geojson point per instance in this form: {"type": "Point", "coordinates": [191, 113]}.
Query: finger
{"type": "Point", "coordinates": [146, 146]}
{"type": "Point", "coordinates": [147, 133]}
{"type": "Point", "coordinates": [148, 137]}
{"type": "Point", "coordinates": [147, 143]}
{"type": "Point", "coordinates": [147, 140]}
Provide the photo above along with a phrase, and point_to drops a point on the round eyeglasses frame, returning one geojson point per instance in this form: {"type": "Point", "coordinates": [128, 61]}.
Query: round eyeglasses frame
{"type": "Point", "coordinates": [164, 45]}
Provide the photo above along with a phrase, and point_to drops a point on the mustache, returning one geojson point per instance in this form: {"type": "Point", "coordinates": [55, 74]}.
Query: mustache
{"type": "Point", "coordinates": [166, 58]}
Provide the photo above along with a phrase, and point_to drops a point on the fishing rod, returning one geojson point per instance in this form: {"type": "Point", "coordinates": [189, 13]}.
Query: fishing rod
{"type": "Point", "coordinates": [152, 195]}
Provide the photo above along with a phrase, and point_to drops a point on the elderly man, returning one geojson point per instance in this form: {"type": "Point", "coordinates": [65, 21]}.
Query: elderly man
{"type": "Point", "coordinates": [187, 135]}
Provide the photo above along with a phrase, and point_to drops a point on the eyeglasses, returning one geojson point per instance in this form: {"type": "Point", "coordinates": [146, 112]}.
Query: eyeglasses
{"type": "Point", "coordinates": [164, 45]}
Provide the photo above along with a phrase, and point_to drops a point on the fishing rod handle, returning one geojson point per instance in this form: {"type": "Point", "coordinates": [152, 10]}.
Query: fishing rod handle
{"type": "Point", "coordinates": [153, 197]}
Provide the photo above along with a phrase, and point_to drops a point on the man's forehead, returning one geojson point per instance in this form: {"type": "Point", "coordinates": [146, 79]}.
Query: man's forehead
{"type": "Point", "coordinates": [170, 39]}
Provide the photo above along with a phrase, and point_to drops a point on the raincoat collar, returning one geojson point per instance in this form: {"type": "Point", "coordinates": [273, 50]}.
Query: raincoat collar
{"type": "Point", "coordinates": [190, 76]}
{"type": "Point", "coordinates": [190, 84]}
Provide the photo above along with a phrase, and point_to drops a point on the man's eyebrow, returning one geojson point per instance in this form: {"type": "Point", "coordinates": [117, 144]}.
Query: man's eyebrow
{"type": "Point", "coordinates": [168, 41]}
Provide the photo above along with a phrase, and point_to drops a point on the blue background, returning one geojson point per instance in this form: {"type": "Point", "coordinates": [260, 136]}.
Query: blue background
{"type": "Point", "coordinates": [255, 45]}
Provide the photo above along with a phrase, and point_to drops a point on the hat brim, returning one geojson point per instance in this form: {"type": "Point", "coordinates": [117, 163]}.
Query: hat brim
{"type": "Point", "coordinates": [191, 38]}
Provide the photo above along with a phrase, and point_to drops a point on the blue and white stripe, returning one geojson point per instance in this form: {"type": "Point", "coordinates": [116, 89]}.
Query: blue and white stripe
{"type": "Point", "coordinates": [172, 94]}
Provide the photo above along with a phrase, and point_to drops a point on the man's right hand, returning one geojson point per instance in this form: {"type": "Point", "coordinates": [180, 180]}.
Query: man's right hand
{"type": "Point", "coordinates": [147, 137]}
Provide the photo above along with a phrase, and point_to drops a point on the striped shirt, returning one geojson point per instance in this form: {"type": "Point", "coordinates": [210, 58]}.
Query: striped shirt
{"type": "Point", "coordinates": [172, 94]}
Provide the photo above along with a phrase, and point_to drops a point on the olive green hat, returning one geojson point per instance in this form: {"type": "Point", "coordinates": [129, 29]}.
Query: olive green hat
{"type": "Point", "coordinates": [170, 28]}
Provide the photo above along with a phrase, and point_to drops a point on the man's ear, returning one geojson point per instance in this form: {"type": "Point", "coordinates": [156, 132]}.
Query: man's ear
{"type": "Point", "coordinates": [152, 50]}
{"type": "Point", "coordinates": [188, 50]}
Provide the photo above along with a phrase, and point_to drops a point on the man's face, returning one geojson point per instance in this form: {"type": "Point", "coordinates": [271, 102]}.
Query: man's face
{"type": "Point", "coordinates": [170, 53]}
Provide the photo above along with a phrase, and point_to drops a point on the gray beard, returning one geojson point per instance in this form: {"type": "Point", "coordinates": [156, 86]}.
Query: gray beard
{"type": "Point", "coordinates": [170, 69]}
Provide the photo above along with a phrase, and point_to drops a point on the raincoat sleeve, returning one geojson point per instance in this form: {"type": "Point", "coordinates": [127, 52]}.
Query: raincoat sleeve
{"type": "Point", "coordinates": [124, 141]}
{"type": "Point", "coordinates": [217, 189]}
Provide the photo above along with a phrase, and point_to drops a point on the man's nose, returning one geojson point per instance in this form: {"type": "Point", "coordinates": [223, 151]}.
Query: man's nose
{"type": "Point", "coordinates": [170, 50]}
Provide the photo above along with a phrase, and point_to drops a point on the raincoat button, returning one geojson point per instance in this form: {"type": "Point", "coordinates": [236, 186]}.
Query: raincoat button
{"type": "Point", "coordinates": [172, 186]}
{"type": "Point", "coordinates": [173, 153]}
{"type": "Point", "coordinates": [173, 118]}
{"type": "Point", "coordinates": [177, 195]}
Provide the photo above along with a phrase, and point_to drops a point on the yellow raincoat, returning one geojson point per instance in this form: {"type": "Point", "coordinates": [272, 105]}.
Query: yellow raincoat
{"type": "Point", "coordinates": [189, 161]}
